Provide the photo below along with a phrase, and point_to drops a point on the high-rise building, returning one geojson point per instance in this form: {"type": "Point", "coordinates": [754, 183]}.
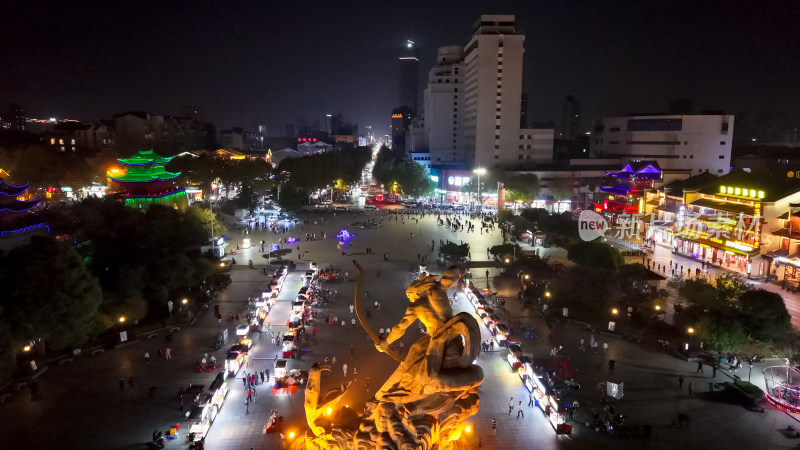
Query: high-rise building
{"type": "Point", "coordinates": [16, 117]}
{"type": "Point", "coordinates": [287, 130]}
{"type": "Point", "coordinates": [444, 106]}
{"type": "Point", "coordinates": [523, 111]}
{"type": "Point", "coordinates": [570, 118]}
{"type": "Point", "coordinates": [409, 76]}
{"type": "Point", "coordinates": [493, 89]}
{"type": "Point", "coordinates": [475, 111]}
{"type": "Point", "coordinates": [693, 143]}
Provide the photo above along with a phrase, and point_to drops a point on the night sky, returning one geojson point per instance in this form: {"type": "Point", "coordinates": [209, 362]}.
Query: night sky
{"type": "Point", "coordinates": [245, 63]}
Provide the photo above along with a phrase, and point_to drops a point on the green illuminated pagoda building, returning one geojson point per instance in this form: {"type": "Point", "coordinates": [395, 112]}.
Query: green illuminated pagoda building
{"type": "Point", "coordinates": [147, 182]}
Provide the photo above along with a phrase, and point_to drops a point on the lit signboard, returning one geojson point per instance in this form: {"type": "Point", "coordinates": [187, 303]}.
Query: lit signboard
{"type": "Point", "coordinates": [732, 191]}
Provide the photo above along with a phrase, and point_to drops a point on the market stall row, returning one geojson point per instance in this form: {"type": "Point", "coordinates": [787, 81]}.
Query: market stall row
{"type": "Point", "coordinates": [537, 382]}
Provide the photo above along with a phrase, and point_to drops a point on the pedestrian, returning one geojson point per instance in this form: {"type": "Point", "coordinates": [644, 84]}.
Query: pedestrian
{"type": "Point", "coordinates": [351, 351]}
{"type": "Point", "coordinates": [266, 373]}
{"type": "Point", "coordinates": [691, 388]}
{"type": "Point", "coordinates": [680, 382]}
{"type": "Point", "coordinates": [494, 426]}
{"type": "Point", "coordinates": [352, 309]}
{"type": "Point", "coordinates": [314, 332]}
{"type": "Point", "coordinates": [353, 322]}
{"type": "Point", "coordinates": [262, 377]}
{"type": "Point", "coordinates": [510, 405]}
{"type": "Point", "coordinates": [333, 360]}
{"type": "Point", "coordinates": [582, 344]}
{"type": "Point", "coordinates": [147, 357]}
{"type": "Point", "coordinates": [342, 322]}
{"type": "Point", "coordinates": [699, 367]}
{"type": "Point", "coordinates": [605, 346]}
{"type": "Point", "coordinates": [714, 371]}
{"type": "Point", "coordinates": [344, 369]}
{"type": "Point", "coordinates": [246, 406]}
{"type": "Point", "coordinates": [168, 353]}
{"type": "Point", "coordinates": [355, 372]}
{"type": "Point", "coordinates": [531, 401]}
{"type": "Point", "coordinates": [519, 410]}
{"type": "Point", "coordinates": [249, 395]}
{"type": "Point", "coordinates": [244, 380]}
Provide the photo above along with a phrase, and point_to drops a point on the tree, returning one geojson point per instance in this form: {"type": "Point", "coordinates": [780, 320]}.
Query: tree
{"type": "Point", "coordinates": [61, 310]}
{"type": "Point", "coordinates": [535, 215]}
{"type": "Point", "coordinates": [595, 255]}
{"type": "Point", "coordinates": [524, 187]}
{"type": "Point", "coordinates": [588, 290]}
{"type": "Point", "coordinates": [561, 188]}
{"type": "Point", "coordinates": [729, 289]}
{"type": "Point", "coordinates": [505, 251]}
{"type": "Point", "coordinates": [290, 198]}
{"type": "Point", "coordinates": [505, 215]}
{"type": "Point", "coordinates": [723, 332]}
{"type": "Point", "coordinates": [454, 252]}
{"type": "Point", "coordinates": [765, 315]}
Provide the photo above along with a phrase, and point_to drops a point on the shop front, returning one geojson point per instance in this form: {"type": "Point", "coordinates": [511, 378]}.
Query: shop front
{"type": "Point", "coordinates": [729, 255]}
{"type": "Point", "coordinates": [787, 268]}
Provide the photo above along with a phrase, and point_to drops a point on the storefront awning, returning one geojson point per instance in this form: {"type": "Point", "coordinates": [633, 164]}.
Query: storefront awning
{"type": "Point", "coordinates": [706, 242]}
{"type": "Point", "coordinates": [785, 233]}
{"type": "Point", "coordinates": [736, 208]}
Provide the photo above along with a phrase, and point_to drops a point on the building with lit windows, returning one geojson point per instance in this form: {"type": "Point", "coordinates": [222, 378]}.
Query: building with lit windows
{"type": "Point", "coordinates": [473, 104]}
{"type": "Point", "coordinates": [409, 78]}
{"type": "Point", "coordinates": [733, 222]}
{"type": "Point", "coordinates": [695, 143]}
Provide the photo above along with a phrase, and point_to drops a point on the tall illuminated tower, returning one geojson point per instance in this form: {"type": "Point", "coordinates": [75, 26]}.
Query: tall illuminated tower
{"type": "Point", "coordinates": [409, 74]}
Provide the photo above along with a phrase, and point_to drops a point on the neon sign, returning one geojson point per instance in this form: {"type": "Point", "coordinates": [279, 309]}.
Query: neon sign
{"type": "Point", "coordinates": [731, 191]}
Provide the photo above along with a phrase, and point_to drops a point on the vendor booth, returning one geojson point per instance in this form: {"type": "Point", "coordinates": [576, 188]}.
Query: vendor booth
{"type": "Point", "coordinates": [280, 368]}
{"type": "Point", "coordinates": [233, 362]}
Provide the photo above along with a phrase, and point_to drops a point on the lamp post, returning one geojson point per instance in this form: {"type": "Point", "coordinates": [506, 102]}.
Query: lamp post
{"type": "Point", "coordinates": [690, 330]}
{"type": "Point", "coordinates": [479, 171]}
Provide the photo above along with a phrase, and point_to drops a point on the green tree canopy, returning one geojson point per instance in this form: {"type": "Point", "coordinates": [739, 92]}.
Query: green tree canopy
{"type": "Point", "coordinates": [765, 315]}
{"type": "Point", "coordinates": [454, 252]}
{"type": "Point", "coordinates": [595, 255]}
{"type": "Point", "coordinates": [408, 177]}
{"type": "Point", "coordinates": [62, 310]}
{"type": "Point", "coordinates": [535, 215]}
{"type": "Point", "coordinates": [723, 332]}
{"type": "Point", "coordinates": [523, 187]}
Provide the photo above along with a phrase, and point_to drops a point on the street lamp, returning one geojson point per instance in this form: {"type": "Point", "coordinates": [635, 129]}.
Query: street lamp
{"type": "Point", "coordinates": [479, 171]}
{"type": "Point", "coordinates": [121, 319]}
{"type": "Point", "coordinates": [690, 330]}
{"type": "Point", "coordinates": [614, 311]}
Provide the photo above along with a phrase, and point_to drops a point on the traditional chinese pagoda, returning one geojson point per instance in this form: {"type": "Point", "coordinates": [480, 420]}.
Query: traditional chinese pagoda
{"type": "Point", "coordinates": [12, 221]}
{"type": "Point", "coordinates": [626, 194]}
{"type": "Point", "coordinates": [147, 182]}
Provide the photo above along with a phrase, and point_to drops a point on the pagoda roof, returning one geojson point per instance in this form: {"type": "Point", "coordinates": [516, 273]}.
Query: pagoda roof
{"type": "Point", "coordinates": [15, 206]}
{"type": "Point", "coordinates": [11, 190]}
{"type": "Point", "coordinates": [145, 157]}
{"type": "Point", "coordinates": [640, 169]}
{"type": "Point", "coordinates": [143, 177]}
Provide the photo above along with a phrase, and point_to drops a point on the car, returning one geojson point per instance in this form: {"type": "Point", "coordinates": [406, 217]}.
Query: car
{"type": "Point", "coordinates": [325, 202]}
{"type": "Point", "coordinates": [340, 208]}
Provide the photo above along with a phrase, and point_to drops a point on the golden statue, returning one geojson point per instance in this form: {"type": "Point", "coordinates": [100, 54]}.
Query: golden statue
{"type": "Point", "coordinates": [425, 401]}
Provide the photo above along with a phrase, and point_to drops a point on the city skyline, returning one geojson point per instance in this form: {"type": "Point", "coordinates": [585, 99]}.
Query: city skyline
{"type": "Point", "coordinates": [261, 64]}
